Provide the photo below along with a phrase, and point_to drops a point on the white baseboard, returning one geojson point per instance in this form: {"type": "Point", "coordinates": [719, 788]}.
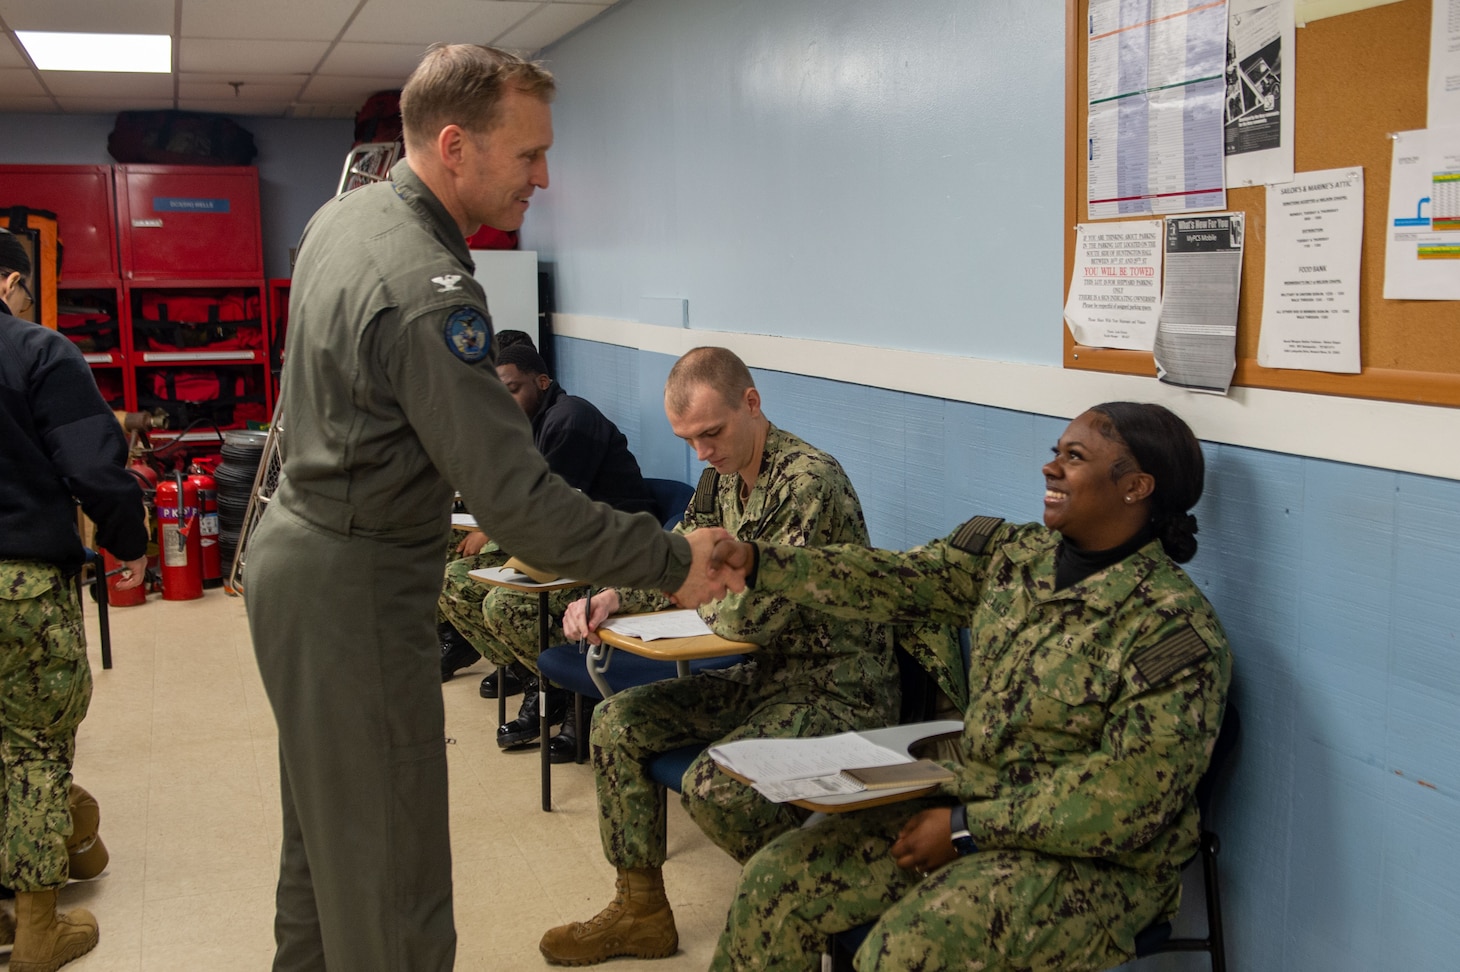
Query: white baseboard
{"type": "Point", "coordinates": [1386, 435]}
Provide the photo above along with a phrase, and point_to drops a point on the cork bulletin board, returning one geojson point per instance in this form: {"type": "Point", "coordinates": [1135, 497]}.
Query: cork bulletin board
{"type": "Point", "coordinates": [1359, 78]}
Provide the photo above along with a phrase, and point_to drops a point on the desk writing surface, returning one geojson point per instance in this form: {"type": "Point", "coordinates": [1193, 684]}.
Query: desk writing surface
{"type": "Point", "coordinates": [506, 577]}
{"type": "Point", "coordinates": [677, 649]}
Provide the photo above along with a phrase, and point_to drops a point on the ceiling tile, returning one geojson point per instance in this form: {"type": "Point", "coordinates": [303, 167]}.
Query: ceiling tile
{"type": "Point", "coordinates": [78, 84]}
{"type": "Point", "coordinates": [10, 56]}
{"type": "Point", "coordinates": [226, 106]}
{"type": "Point", "coordinates": [266, 19]}
{"type": "Point", "coordinates": [86, 105]}
{"type": "Point", "coordinates": [361, 60]}
{"type": "Point", "coordinates": [21, 83]}
{"type": "Point", "coordinates": [21, 103]}
{"type": "Point", "coordinates": [220, 90]}
{"type": "Point", "coordinates": [550, 23]}
{"type": "Point", "coordinates": [251, 56]}
{"type": "Point", "coordinates": [351, 91]}
{"type": "Point", "coordinates": [110, 16]}
{"type": "Point", "coordinates": [456, 21]}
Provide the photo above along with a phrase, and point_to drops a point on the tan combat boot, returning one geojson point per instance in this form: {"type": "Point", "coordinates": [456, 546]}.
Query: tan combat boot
{"type": "Point", "coordinates": [46, 940]}
{"type": "Point", "coordinates": [636, 922]}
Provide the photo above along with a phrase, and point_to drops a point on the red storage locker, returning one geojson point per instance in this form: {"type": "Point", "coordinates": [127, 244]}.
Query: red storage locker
{"type": "Point", "coordinates": [82, 199]}
{"type": "Point", "coordinates": [189, 222]}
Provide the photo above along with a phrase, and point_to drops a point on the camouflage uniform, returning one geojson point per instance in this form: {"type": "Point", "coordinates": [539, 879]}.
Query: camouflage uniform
{"type": "Point", "coordinates": [461, 598]}
{"type": "Point", "coordinates": [507, 624]}
{"type": "Point", "coordinates": [1091, 713]}
{"type": "Point", "coordinates": [815, 674]}
{"type": "Point", "coordinates": [45, 688]}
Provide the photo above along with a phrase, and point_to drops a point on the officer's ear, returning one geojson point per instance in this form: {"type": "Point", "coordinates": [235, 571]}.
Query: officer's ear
{"type": "Point", "coordinates": [452, 146]}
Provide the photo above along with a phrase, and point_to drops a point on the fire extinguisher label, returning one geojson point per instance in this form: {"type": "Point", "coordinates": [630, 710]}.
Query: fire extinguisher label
{"type": "Point", "coordinates": [209, 526]}
{"type": "Point", "coordinates": [174, 545]}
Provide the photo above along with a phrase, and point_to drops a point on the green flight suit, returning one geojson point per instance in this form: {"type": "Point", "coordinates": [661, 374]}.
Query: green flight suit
{"type": "Point", "coordinates": [390, 398]}
{"type": "Point", "coordinates": [1091, 715]}
{"type": "Point", "coordinates": [814, 674]}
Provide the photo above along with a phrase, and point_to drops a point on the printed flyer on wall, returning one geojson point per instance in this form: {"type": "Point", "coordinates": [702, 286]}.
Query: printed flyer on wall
{"type": "Point", "coordinates": [1196, 341]}
{"type": "Point", "coordinates": [1115, 293]}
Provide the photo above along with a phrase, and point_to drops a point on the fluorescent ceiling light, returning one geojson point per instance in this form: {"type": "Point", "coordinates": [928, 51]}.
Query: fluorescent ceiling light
{"type": "Point", "coordinates": [129, 53]}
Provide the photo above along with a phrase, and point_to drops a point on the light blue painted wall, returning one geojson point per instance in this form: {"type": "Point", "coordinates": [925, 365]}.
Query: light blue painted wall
{"type": "Point", "coordinates": [815, 168]}
{"type": "Point", "coordinates": [299, 164]}
{"type": "Point", "coordinates": [871, 172]}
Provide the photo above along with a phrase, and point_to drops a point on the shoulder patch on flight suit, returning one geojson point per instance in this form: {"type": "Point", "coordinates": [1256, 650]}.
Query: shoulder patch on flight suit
{"type": "Point", "coordinates": [973, 535]}
{"type": "Point", "coordinates": [468, 334]}
{"type": "Point", "coordinates": [704, 499]}
{"type": "Point", "coordinates": [1170, 655]}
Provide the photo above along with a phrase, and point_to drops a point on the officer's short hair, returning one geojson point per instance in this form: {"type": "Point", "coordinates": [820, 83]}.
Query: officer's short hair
{"type": "Point", "coordinates": [719, 368]}
{"type": "Point", "coordinates": [508, 337]}
{"type": "Point", "coordinates": [13, 257]}
{"type": "Point", "coordinates": [523, 357]}
{"type": "Point", "coordinates": [462, 84]}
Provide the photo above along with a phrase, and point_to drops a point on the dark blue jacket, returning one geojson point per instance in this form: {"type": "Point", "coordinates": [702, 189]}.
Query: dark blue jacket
{"type": "Point", "coordinates": [585, 448]}
{"type": "Point", "coordinates": [59, 443]}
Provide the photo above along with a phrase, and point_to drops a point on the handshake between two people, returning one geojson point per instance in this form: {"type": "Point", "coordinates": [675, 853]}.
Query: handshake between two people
{"type": "Point", "coordinates": [719, 564]}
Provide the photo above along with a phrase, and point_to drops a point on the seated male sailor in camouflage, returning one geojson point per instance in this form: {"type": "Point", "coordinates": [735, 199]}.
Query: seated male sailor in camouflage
{"type": "Point", "coordinates": [1095, 689]}
{"type": "Point", "coordinates": [581, 445]}
{"type": "Point", "coordinates": [813, 673]}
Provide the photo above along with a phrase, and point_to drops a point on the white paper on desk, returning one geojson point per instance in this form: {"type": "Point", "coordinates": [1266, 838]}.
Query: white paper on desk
{"type": "Point", "coordinates": [810, 788]}
{"type": "Point", "coordinates": [779, 760]}
{"type": "Point", "coordinates": [661, 624]}
{"type": "Point", "coordinates": [1310, 301]}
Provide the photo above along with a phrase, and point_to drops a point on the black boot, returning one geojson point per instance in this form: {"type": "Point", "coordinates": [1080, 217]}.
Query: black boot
{"type": "Point", "coordinates": [517, 676]}
{"type": "Point", "coordinates": [456, 652]}
{"type": "Point", "coordinates": [526, 728]}
{"type": "Point", "coordinates": [563, 748]}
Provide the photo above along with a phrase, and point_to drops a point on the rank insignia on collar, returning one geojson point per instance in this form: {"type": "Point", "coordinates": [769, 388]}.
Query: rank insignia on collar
{"type": "Point", "coordinates": [447, 282]}
{"type": "Point", "coordinates": [468, 334]}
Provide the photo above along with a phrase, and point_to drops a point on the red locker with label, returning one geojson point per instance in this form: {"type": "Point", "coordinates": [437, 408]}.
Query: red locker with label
{"type": "Point", "coordinates": [189, 222]}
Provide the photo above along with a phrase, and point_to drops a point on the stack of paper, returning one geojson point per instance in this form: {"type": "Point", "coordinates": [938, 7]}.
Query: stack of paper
{"type": "Point", "coordinates": [800, 769]}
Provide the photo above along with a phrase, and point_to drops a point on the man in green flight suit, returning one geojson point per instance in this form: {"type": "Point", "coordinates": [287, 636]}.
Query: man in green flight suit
{"type": "Point", "coordinates": [812, 675]}
{"type": "Point", "coordinates": [389, 399]}
{"type": "Point", "coordinates": [1093, 695]}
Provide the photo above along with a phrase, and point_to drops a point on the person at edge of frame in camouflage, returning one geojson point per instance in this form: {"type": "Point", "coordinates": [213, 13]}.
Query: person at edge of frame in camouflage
{"type": "Point", "coordinates": [813, 674]}
{"type": "Point", "coordinates": [61, 441]}
{"type": "Point", "coordinates": [1094, 692]}
{"type": "Point", "coordinates": [581, 445]}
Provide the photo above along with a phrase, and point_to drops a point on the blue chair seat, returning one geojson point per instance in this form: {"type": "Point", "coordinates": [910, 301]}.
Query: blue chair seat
{"type": "Point", "coordinates": [565, 667]}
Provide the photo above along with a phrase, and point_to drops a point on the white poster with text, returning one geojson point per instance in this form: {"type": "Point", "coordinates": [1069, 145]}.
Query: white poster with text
{"type": "Point", "coordinates": [1310, 300]}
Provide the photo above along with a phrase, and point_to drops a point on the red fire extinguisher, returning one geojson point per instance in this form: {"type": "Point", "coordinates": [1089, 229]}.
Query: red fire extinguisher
{"type": "Point", "coordinates": [180, 538]}
{"type": "Point", "coordinates": [208, 524]}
